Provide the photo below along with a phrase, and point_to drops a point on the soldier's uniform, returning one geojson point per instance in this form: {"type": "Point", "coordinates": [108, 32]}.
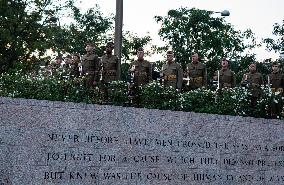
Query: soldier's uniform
{"type": "Point", "coordinates": [227, 78]}
{"type": "Point", "coordinates": [74, 70]}
{"type": "Point", "coordinates": [276, 81]}
{"type": "Point", "coordinates": [142, 72]}
{"type": "Point", "coordinates": [90, 68]}
{"type": "Point", "coordinates": [110, 68]}
{"type": "Point", "coordinates": [197, 74]}
{"type": "Point", "coordinates": [172, 74]}
{"type": "Point", "coordinates": [142, 75]}
{"type": "Point", "coordinates": [253, 81]}
{"type": "Point", "coordinates": [110, 71]}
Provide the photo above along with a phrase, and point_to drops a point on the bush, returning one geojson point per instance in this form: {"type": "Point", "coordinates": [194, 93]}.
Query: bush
{"type": "Point", "coordinates": [59, 87]}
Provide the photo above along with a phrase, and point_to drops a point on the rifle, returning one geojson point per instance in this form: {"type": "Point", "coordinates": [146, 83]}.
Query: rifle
{"type": "Point", "coordinates": [269, 85]}
{"type": "Point", "coordinates": [161, 79]}
{"type": "Point", "coordinates": [188, 79]}
{"type": "Point", "coordinates": [218, 86]}
{"type": "Point", "coordinates": [245, 83]}
{"type": "Point", "coordinates": [101, 71]}
{"type": "Point", "coordinates": [131, 84]}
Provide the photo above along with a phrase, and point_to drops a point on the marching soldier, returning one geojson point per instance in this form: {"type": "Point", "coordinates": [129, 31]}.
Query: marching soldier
{"type": "Point", "coordinates": [172, 73]}
{"type": "Point", "coordinates": [110, 69]}
{"type": "Point", "coordinates": [197, 73]}
{"type": "Point", "coordinates": [253, 81]}
{"type": "Point", "coordinates": [225, 77]}
{"type": "Point", "coordinates": [275, 80]}
{"type": "Point", "coordinates": [90, 65]}
{"type": "Point", "coordinates": [141, 74]}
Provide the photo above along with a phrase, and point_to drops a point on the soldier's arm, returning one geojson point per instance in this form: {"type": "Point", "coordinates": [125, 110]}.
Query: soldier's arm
{"type": "Point", "coordinates": [261, 80]}
{"type": "Point", "coordinates": [83, 65]}
{"type": "Point", "coordinates": [266, 81]}
{"type": "Point", "coordinates": [244, 79]}
{"type": "Point", "coordinates": [205, 76]}
{"type": "Point", "coordinates": [150, 72]}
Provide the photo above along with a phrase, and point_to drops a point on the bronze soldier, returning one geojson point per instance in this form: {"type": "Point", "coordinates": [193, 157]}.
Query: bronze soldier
{"type": "Point", "coordinates": [275, 80]}
{"type": "Point", "coordinates": [253, 81]}
{"type": "Point", "coordinates": [67, 67]}
{"type": "Point", "coordinates": [90, 65]}
{"type": "Point", "coordinates": [172, 73]}
{"type": "Point", "coordinates": [225, 78]}
{"type": "Point", "coordinates": [76, 60]}
{"type": "Point", "coordinates": [110, 69]}
{"type": "Point", "coordinates": [141, 74]}
{"type": "Point", "coordinates": [197, 73]}
{"type": "Point", "coordinates": [142, 69]}
{"type": "Point", "coordinates": [57, 68]}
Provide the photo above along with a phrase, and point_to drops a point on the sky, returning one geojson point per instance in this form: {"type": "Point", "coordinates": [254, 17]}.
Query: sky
{"type": "Point", "coordinates": [257, 15]}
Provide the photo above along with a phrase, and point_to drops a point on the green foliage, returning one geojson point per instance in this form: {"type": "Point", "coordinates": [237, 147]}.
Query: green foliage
{"type": "Point", "coordinates": [276, 44]}
{"type": "Point", "coordinates": [28, 28]}
{"type": "Point", "coordinates": [124, 72]}
{"type": "Point", "coordinates": [156, 96]}
{"type": "Point", "coordinates": [131, 42]}
{"type": "Point", "coordinates": [25, 28]}
{"type": "Point", "coordinates": [235, 101]}
{"type": "Point", "coordinates": [89, 26]}
{"type": "Point", "coordinates": [200, 100]}
{"type": "Point", "coordinates": [20, 85]}
{"type": "Point", "coordinates": [118, 92]}
{"type": "Point", "coordinates": [61, 87]}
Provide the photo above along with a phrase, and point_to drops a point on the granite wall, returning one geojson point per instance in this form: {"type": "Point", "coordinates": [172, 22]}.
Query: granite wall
{"type": "Point", "coordinates": [46, 143]}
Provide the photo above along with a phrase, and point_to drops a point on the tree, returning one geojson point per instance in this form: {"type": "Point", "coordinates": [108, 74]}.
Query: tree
{"type": "Point", "coordinates": [89, 26]}
{"type": "Point", "coordinates": [276, 44]}
{"type": "Point", "coordinates": [28, 28]}
{"type": "Point", "coordinates": [194, 30]}
{"type": "Point", "coordinates": [24, 26]}
{"type": "Point", "coordinates": [131, 42]}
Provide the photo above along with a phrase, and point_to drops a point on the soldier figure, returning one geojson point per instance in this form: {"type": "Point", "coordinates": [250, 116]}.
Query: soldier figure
{"type": "Point", "coordinates": [90, 65]}
{"type": "Point", "coordinates": [58, 62]}
{"type": "Point", "coordinates": [275, 80]}
{"type": "Point", "coordinates": [172, 73]}
{"type": "Point", "coordinates": [110, 69]}
{"type": "Point", "coordinates": [76, 61]}
{"type": "Point", "coordinates": [57, 67]}
{"type": "Point", "coordinates": [197, 73]}
{"type": "Point", "coordinates": [141, 74]}
{"type": "Point", "coordinates": [253, 81]}
{"type": "Point", "coordinates": [225, 78]}
{"type": "Point", "coordinates": [67, 67]}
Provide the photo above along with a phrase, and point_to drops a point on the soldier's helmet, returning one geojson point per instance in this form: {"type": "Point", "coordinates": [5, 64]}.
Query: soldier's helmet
{"type": "Point", "coordinates": [140, 49]}
{"type": "Point", "coordinates": [90, 44]}
{"type": "Point", "coordinates": [110, 45]}
{"type": "Point", "coordinates": [170, 52]}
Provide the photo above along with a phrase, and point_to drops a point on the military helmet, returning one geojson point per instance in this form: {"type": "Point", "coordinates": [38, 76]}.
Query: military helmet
{"type": "Point", "coordinates": [110, 44]}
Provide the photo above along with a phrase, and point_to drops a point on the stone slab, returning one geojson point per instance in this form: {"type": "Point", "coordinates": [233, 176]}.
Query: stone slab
{"type": "Point", "coordinates": [47, 143]}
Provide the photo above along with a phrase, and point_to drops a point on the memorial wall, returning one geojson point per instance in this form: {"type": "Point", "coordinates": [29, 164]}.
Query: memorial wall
{"type": "Point", "coordinates": [46, 143]}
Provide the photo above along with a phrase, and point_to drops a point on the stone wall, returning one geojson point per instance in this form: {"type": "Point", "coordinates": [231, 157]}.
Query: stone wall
{"type": "Point", "coordinates": [46, 143]}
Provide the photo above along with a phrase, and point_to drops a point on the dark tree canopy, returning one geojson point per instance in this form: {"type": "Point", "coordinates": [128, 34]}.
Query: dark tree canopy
{"type": "Point", "coordinates": [276, 44]}
{"type": "Point", "coordinates": [29, 27]}
{"type": "Point", "coordinates": [194, 30]}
